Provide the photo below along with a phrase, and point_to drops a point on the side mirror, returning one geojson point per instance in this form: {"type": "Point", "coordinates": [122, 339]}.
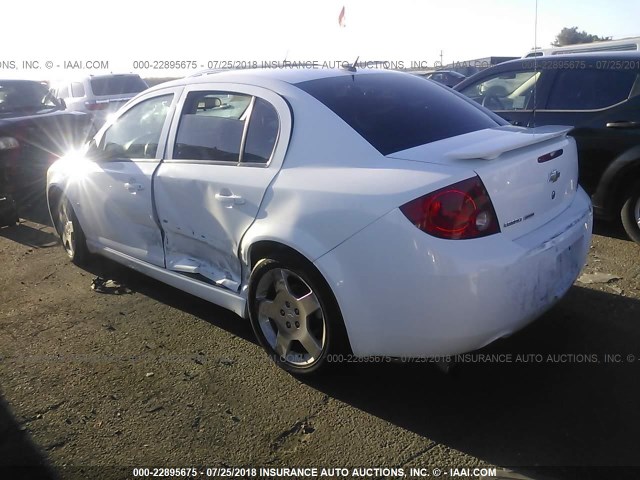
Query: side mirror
{"type": "Point", "coordinates": [63, 104]}
{"type": "Point", "coordinates": [98, 154]}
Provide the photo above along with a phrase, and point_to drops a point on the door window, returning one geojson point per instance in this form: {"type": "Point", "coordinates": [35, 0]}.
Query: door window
{"type": "Point", "coordinates": [590, 89]}
{"type": "Point", "coordinates": [136, 133]}
{"type": "Point", "coordinates": [506, 91]}
{"type": "Point", "coordinates": [262, 134]}
{"type": "Point", "coordinates": [211, 126]}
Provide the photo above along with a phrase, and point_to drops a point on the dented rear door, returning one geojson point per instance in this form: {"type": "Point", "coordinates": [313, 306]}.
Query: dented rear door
{"type": "Point", "coordinates": [225, 148]}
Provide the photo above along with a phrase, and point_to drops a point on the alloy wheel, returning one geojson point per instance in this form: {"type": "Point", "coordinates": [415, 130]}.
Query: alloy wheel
{"type": "Point", "coordinates": [67, 233]}
{"type": "Point", "coordinates": [291, 317]}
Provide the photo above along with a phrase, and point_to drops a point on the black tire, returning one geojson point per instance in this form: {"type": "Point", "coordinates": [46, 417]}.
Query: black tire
{"type": "Point", "coordinates": [630, 213]}
{"type": "Point", "coordinates": [323, 327]}
{"type": "Point", "coordinates": [72, 237]}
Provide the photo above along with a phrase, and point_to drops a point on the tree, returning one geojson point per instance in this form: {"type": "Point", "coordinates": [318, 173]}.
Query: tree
{"type": "Point", "coordinates": [571, 36]}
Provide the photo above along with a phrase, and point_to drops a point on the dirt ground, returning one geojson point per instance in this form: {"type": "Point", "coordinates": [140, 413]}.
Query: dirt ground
{"type": "Point", "coordinates": [93, 385]}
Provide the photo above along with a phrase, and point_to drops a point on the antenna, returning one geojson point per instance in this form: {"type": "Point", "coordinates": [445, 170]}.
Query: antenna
{"type": "Point", "coordinates": [352, 68]}
{"type": "Point", "coordinates": [535, 64]}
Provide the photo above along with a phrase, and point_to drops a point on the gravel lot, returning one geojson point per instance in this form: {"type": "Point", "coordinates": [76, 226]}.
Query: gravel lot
{"type": "Point", "coordinates": [92, 384]}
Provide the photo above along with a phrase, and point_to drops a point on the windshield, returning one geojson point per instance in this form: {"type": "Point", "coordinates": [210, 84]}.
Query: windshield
{"type": "Point", "coordinates": [25, 96]}
{"type": "Point", "coordinates": [117, 85]}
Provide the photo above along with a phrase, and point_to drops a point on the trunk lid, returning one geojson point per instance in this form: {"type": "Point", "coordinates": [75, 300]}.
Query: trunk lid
{"type": "Point", "coordinates": [531, 175]}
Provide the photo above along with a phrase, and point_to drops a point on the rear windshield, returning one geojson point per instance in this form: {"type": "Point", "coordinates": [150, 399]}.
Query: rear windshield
{"type": "Point", "coordinates": [117, 85]}
{"type": "Point", "coordinates": [395, 112]}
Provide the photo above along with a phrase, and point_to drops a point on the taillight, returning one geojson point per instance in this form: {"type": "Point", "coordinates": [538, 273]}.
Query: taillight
{"type": "Point", "coordinates": [457, 212]}
{"type": "Point", "coordinates": [96, 105]}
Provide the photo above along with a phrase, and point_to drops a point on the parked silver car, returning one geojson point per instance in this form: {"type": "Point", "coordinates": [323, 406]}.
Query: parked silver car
{"type": "Point", "coordinates": [99, 95]}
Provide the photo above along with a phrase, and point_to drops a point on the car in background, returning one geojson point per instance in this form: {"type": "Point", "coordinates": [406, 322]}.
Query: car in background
{"type": "Point", "coordinates": [99, 95]}
{"type": "Point", "coordinates": [397, 218]}
{"type": "Point", "coordinates": [598, 94]}
{"type": "Point", "coordinates": [630, 44]}
{"type": "Point", "coordinates": [449, 78]}
{"type": "Point", "coordinates": [35, 130]}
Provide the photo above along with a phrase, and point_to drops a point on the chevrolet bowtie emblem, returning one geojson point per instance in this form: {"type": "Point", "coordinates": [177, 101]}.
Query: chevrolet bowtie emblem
{"type": "Point", "coordinates": [554, 176]}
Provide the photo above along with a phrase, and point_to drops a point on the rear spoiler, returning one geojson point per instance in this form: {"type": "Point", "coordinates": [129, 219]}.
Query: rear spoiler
{"type": "Point", "coordinates": [506, 139]}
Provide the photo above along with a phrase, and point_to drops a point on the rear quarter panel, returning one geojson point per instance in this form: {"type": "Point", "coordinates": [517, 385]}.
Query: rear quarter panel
{"type": "Point", "coordinates": [333, 183]}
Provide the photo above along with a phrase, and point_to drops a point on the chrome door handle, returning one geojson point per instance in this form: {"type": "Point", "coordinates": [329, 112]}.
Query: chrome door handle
{"type": "Point", "coordinates": [230, 199]}
{"type": "Point", "coordinates": [133, 187]}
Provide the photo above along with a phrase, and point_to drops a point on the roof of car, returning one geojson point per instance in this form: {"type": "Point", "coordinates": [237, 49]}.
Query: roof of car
{"type": "Point", "coordinates": [546, 62]}
{"type": "Point", "coordinates": [289, 75]}
{"type": "Point", "coordinates": [574, 56]}
{"type": "Point", "coordinates": [15, 80]}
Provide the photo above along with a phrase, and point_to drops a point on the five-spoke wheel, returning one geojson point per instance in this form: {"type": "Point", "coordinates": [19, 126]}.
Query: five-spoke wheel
{"type": "Point", "coordinates": [71, 234]}
{"type": "Point", "coordinates": [294, 314]}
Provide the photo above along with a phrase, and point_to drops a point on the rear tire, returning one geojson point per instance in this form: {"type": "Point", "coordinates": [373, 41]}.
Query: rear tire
{"type": "Point", "coordinates": [630, 213]}
{"type": "Point", "coordinates": [294, 315]}
{"type": "Point", "coordinates": [71, 234]}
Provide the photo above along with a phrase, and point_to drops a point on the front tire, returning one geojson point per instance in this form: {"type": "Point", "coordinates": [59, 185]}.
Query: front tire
{"type": "Point", "coordinates": [71, 234]}
{"type": "Point", "coordinates": [294, 314]}
{"type": "Point", "coordinates": [630, 213]}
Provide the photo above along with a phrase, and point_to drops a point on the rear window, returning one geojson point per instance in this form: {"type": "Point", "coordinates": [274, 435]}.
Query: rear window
{"type": "Point", "coordinates": [117, 85]}
{"type": "Point", "coordinates": [396, 112]}
{"type": "Point", "coordinates": [77, 90]}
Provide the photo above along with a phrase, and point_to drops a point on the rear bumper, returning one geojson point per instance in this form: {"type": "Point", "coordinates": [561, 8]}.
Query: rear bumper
{"type": "Point", "coordinates": [404, 293]}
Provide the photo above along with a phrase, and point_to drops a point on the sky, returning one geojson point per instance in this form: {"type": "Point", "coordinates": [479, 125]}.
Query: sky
{"type": "Point", "coordinates": [80, 37]}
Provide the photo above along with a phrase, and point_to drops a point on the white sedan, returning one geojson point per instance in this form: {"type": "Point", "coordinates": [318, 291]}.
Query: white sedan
{"type": "Point", "coordinates": [362, 212]}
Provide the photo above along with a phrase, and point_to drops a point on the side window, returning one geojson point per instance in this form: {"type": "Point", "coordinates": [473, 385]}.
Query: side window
{"type": "Point", "coordinates": [136, 133]}
{"type": "Point", "coordinates": [77, 89]}
{"type": "Point", "coordinates": [590, 89]}
{"type": "Point", "coordinates": [505, 91]}
{"type": "Point", "coordinates": [63, 92]}
{"type": "Point", "coordinates": [262, 134]}
{"type": "Point", "coordinates": [211, 126]}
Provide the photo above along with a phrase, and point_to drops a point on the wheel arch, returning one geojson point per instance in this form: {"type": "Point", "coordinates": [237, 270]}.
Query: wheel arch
{"type": "Point", "coordinates": [54, 194]}
{"type": "Point", "coordinates": [262, 248]}
{"type": "Point", "coordinates": [615, 182]}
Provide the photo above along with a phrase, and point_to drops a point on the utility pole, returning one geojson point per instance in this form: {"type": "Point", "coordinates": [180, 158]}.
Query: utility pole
{"type": "Point", "coordinates": [441, 64]}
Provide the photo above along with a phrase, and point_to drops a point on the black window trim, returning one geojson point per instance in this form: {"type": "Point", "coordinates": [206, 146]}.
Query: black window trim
{"type": "Point", "coordinates": [249, 113]}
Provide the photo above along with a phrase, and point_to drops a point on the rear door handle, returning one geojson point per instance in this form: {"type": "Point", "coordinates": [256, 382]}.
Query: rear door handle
{"type": "Point", "coordinates": [133, 187]}
{"type": "Point", "coordinates": [623, 124]}
{"type": "Point", "coordinates": [230, 199]}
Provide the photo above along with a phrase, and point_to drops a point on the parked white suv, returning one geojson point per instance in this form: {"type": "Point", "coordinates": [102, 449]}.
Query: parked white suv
{"type": "Point", "coordinates": [99, 95]}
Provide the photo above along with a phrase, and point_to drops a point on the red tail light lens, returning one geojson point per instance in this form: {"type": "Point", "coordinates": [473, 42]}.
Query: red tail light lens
{"type": "Point", "coordinates": [96, 105]}
{"type": "Point", "coordinates": [457, 212]}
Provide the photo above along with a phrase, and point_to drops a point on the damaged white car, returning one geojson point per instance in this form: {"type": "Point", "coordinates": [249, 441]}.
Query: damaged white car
{"type": "Point", "coordinates": [339, 210]}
